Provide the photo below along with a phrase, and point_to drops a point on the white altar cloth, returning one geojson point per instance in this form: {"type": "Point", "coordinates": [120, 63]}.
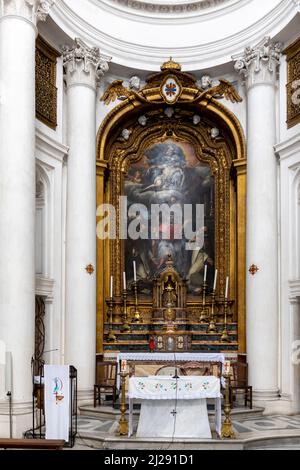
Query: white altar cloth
{"type": "Point", "coordinates": [172, 358]}
{"type": "Point", "coordinates": [160, 396]}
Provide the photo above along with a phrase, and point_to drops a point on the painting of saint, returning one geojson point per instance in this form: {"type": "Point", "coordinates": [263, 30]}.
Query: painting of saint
{"type": "Point", "coordinates": [170, 173]}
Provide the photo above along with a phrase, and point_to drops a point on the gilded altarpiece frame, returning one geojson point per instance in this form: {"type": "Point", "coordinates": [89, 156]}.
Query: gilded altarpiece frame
{"type": "Point", "coordinates": [226, 156]}
{"type": "Point", "coordinates": [293, 86]}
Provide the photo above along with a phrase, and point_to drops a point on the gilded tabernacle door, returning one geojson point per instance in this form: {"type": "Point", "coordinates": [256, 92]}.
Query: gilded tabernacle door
{"type": "Point", "coordinates": [174, 173]}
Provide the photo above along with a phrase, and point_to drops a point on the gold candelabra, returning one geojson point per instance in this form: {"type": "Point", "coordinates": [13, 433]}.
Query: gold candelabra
{"type": "Point", "coordinates": [125, 326]}
{"type": "Point", "coordinates": [137, 316]}
{"type": "Point", "coordinates": [123, 423]}
{"type": "Point", "coordinates": [212, 325]}
{"type": "Point", "coordinates": [111, 337]}
{"type": "Point", "coordinates": [225, 336]}
{"type": "Point", "coordinates": [227, 428]}
{"type": "Point", "coordinates": [203, 316]}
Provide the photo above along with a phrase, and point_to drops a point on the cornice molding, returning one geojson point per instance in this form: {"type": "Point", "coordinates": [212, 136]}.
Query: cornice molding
{"type": "Point", "coordinates": [204, 55]}
{"type": "Point", "coordinates": [165, 11]}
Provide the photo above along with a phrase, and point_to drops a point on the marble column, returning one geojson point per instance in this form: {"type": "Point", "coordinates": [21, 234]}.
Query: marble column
{"type": "Point", "coordinates": [259, 66]}
{"type": "Point", "coordinates": [18, 31]}
{"type": "Point", "coordinates": [84, 67]}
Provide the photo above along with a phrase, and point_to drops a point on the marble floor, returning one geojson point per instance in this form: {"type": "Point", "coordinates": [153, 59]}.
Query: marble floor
{"type": "Point", "coordinates": [94, 432]}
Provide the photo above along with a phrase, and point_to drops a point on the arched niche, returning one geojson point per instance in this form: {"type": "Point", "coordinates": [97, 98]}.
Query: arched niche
{"type": "Point", "coordinates": [128, 131]}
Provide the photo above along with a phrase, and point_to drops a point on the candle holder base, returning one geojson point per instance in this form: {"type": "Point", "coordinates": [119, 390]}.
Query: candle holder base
{"type": "Point", "coordinates": [227, 430]}
{"type": "Point", "coordinates": [126, 327]}
{"type": "Point", "coordinates": [123, 427]}
{"type": "Point", "coordinates": [111, 337]}
{"type": "Point", "coordinates": [203, 317]}
{"type": "Point", "coordinates": [225, 337]}
{"type": "Point", "coordinates": [137, 317]}
{"type": "Point", "coordinates": [212, 329]}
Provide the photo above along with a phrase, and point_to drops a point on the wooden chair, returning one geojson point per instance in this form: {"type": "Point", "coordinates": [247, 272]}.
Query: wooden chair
{"type": "Point", "coordinates": [239, 381]}
{"type": "Point", "coordinates": [169, 371]}
{"type": "Point", "coordinates": [202, 368]}
{"type": "Point", "coordinates": [106, 378]}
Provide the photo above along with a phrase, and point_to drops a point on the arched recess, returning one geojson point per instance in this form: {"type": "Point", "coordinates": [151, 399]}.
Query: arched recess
{"type": "Point", "coordinates": [226, 156]}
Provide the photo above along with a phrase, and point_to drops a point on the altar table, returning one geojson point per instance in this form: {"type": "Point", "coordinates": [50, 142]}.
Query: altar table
{"type": "Point", "coordinates": [174, 408]}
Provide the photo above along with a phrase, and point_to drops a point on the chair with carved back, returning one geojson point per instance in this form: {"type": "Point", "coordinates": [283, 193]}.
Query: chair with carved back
{"type": "Point", "coordinates": [106, 378]}
{"type": "Point", "coordinates": [169, 371]}
{"type": "Point", "coordinates": [239, 382]}
{"type": "Point", "coordinates": [202, 368]}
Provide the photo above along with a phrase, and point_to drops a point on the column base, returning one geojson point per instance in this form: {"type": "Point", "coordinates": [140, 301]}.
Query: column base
{"type": "Point", "coordinates": [85, 397]}
{"type": "Point", "coordinates": [21, 419]}
{"type": "Point", "coordinates": [269, 400]}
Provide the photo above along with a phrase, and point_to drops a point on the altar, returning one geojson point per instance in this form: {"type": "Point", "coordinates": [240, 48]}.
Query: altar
{"type": "Point", "coordinates": [174, 407]}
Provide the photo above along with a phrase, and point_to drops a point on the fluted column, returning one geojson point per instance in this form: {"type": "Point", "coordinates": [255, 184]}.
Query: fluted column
{"type": "Point", "coordinates": [84, 67]}
{"type": "Point", "coordinates": [259, 66]}
{"type": "Point", "coordinates": [18, 19]}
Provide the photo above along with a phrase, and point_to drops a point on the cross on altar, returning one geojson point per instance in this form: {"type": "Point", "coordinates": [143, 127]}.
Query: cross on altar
{"type": "Point", "coordinates": [173, 413]}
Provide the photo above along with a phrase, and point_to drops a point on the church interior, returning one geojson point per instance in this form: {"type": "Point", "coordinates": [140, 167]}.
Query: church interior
{"type": "Point", "coordinates": [150, 224]}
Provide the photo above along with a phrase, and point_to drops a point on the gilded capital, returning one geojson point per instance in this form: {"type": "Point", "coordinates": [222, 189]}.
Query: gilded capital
{"type": "Point", "coordinates": [259, 64]}
{"type": "Point", "coordinates": [32, 10]}
{"type": "Point", "coordinates": [84, 65]}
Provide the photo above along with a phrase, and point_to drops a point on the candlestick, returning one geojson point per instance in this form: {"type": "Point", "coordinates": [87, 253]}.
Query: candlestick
{"type": "Point", "coordinates": [123, 423]}
{"type": "Point", "coordinates": [123, 365]}
{"type": "Point", "coordinates": [212, 329]}
{"type": "Point", "coordinates": [111, 287]}
{"type": "Point", "coordinates": [137, 316]}
{"type": "Point", "coordinates": [215, 280]}
{"type": "Point", "coordinates": [227, 428]}
{"type": "Point", "coordinates": [227, 286]}
{"type": "Point", "coordinates": [111, 337]}
{"type": "Point", "coordinates": [124, 280]}
{"type": "Point", "coordinates": [125, 326]}
{"type": "Point", "coordinates": [203, 316]}
{"type": "Point", "coordinates": [134, 271]}
{"type": "Point", "coordinates": [225, 337]}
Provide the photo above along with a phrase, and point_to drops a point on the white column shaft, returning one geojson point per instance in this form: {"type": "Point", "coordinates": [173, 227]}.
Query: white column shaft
{"type": "Point", "coordinates": [17, 197]}
{"type": "Point", "coordinates": [81, 235]}
{"type": "Point", "coordinates": [262, 241]}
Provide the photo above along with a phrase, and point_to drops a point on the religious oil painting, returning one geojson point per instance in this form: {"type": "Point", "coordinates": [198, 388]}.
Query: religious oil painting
{"type": "Point", "coordinates": [170, 173]}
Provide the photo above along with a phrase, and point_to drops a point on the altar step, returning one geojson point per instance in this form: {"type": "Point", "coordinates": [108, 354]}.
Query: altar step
{"type": "Point", "coordinates": [105, 412]}
{"type": "Point", "coordinates": [138, 338]}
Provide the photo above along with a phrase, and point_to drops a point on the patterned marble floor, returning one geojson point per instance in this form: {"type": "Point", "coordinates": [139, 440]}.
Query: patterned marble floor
{"type": "Point", "coordinates": [248, 428]}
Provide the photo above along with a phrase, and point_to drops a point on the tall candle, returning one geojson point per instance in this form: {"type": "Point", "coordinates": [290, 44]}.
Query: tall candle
{"type": "Point", "coordinates": [111, 287]}
{"type": "Point", "coordinates": [227, 286]}
{"type": "Point", "coordinates": [134, 271]}
{"type": "Point", "coordinates": [124, 280]}
{"type": "Point", "coordinates": [205, 273]}
{"type": "Point", "coordinates": [215, 281]}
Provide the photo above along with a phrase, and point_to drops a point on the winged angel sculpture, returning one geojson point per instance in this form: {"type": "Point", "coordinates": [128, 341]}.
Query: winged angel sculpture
{"type": "Point", "coordinates": [224, 89]}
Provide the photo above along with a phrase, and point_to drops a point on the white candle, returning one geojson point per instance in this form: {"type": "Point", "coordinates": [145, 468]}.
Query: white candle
{"type": "Point", "coordinates": [134, 271]}
{"type": "Point", "coordinates": [227, 286]}
{"type": "Point", "coordinates": [205, 273]}
{"type": "Point", "coordinates": [111, 287]}
{"type": "Point", "coordinates": [124, 280]}
{"type": "Point", "coordinates": [215, 281]}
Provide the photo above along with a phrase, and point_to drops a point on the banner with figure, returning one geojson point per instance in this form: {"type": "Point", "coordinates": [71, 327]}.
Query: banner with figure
{"type": "Point", "coordinates": [57, 401]}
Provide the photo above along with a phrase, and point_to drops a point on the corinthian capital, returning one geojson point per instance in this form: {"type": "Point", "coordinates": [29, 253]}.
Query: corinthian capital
{"type": "Point", "coordinates": [33, 10]}
{"type": "Point", "coordinates": [84, 65]}
{"type": "Point", "coordinates": [259, 64]}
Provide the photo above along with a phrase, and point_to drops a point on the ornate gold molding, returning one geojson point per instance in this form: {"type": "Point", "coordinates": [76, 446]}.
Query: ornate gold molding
{"type": "Point", "coordinates": [293, 85]}
{"type": "Point", "coordinates": [225, 155]}
{"type": "Point", "coordinates": [46, 91]}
